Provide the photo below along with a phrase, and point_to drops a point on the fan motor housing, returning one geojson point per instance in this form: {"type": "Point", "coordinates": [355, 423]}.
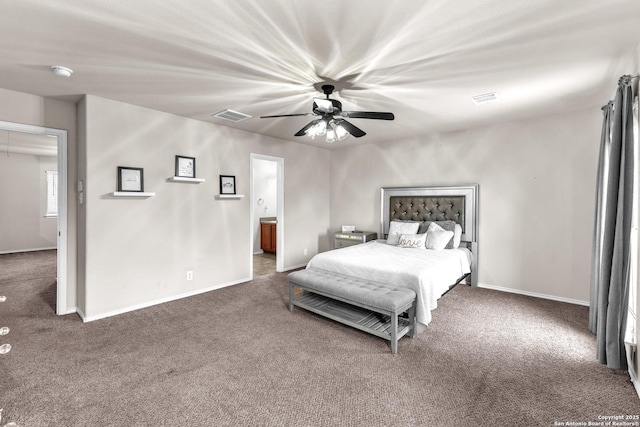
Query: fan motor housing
{"type": "Point", "coordinates": [328, 89]}
{"type": "Point", "coordinates": [336, 107]}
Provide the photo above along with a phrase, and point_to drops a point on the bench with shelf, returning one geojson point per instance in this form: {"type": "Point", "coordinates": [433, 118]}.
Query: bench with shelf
{"type": "Point", "coordinates": [370, 307]}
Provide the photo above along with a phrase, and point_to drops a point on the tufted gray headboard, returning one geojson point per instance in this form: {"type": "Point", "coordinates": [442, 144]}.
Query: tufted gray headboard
{"type": "Point", "coordinates": [458, 203]}
{"type": "Point", "coordinates": [427, 208]}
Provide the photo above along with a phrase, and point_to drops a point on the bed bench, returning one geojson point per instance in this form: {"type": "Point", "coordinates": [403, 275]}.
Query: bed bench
{"type": "Point", "coordinates": [368, 306]}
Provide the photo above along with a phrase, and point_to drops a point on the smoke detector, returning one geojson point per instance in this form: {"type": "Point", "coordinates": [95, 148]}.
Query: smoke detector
{"type": "Point", "coordinates": [59, 70]}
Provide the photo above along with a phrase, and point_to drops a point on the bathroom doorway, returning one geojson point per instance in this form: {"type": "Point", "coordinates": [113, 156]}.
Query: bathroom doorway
{"type": "Point", "coordinates": [266, 214]}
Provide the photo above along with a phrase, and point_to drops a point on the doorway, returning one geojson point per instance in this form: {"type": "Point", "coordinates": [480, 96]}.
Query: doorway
{"type": "Point", "coordinates": [266, 213]}
{"type": "Point", "coordinates": [61, 236]}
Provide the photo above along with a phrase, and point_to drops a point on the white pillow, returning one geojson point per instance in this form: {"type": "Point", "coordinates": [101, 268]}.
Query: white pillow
{"type": "Point", "coordinates": [457, 236]}
{"type": "Point", "coordinates": [396, 228]}
{"type": "Point", "coordinates": [412, 241]}
{"type": "Point", "coordinates": [437, 237]}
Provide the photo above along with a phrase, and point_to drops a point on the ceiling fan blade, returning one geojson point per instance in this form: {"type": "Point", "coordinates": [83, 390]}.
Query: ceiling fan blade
{"type": "Point", "coordinates": [367, 115]}
{"type": "Point", "coordinates": [287, 115]}
{"type": "Point", "coordinates": [352, 129]}
{"type": "Point", "coordinates": [303, 131]}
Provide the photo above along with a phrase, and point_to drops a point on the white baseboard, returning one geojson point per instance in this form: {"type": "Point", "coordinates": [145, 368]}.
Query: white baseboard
{"type": "Point", "coordinates": [71, 310]}
{"type": "Point", "coordinates": [632, 354]}
{"type": "Point", "coordinates": [533, 294]}
{"type": "Point", "coordinates": [27, 250]}
{"type": "Point", "coordinates": [163, 300]}
{"type": "Point", "coordinates": [156, 302]}
{"type": "Point", "coordinates": [293, 267]}
{"type": "Point", "coordinates": [636, 384]}
{"type": "Point", "coordinates": [634, 379]}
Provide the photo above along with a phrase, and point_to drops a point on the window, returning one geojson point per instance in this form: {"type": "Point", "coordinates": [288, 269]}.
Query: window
{"type": "Point", "coordinates": [52, 194]}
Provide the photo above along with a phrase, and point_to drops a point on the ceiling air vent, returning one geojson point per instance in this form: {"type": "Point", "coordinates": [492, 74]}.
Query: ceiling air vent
{"type": "Point", "coordinates": [231, 115]}
{"type": "Point", "coordinates": [485, 98]}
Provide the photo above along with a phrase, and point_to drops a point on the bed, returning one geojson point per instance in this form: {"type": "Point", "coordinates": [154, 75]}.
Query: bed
{"type": "Point", "coordinates": [392, 260]}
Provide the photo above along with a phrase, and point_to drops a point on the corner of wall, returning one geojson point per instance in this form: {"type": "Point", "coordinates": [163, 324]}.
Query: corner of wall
{"type": "Point", "coordinates": [81, 162]}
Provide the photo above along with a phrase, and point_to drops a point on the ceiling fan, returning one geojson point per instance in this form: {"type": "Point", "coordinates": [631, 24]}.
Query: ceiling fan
{"type": "Point", "coordinates": [331, 119]}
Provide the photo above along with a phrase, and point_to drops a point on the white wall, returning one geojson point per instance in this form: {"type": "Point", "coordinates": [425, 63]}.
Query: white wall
{"type": "Point", "coordinates": [23, 191]}
{"type": "Point", "coordinates": [536, 182]}
{"type": "Point", "coordinates": [137, 251]}
{"type": "Point", "coordinates": [20, 107]}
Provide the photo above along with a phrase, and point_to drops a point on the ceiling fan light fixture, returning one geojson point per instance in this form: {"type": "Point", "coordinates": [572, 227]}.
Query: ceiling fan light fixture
{"type": "Point", "coordinates": [319, 128]}
{"type": "Point", "coordinates": [330, 119]}
{"type": "Point", "coordinates": [341, 132]}
{"type": "Point", "coordinates": [331, 136]}
{"type": "Point", "coordinates": [311, 132]}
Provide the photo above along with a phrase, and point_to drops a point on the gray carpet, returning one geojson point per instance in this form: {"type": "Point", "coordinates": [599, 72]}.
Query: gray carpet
{"type": "Point", "coordinates": [238, 357]}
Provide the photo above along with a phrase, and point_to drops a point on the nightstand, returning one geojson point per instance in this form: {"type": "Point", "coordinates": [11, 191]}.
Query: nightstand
{"type": "Point", "coordinates": [342, 240]}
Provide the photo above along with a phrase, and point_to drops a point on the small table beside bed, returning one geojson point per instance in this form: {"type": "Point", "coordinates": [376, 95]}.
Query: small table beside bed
{"type": "Point", "coordinates": [389, 287]}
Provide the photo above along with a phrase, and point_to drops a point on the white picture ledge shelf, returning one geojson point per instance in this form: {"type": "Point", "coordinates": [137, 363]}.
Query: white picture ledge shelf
{"type": "Point", "coordinates": [132, 194]}
{"type": "Point", "coordinates": [229, 196]}
{"type": "Point", "coordinates": [186, 179]}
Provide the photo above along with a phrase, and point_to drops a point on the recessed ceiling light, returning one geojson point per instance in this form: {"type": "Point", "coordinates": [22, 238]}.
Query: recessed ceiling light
{"type": "Point", "coordinates": [231, 115]}
{"type": "Point", "coordinates": [59, 70]}
{"type": "Point", "coordinates": [485, 98]}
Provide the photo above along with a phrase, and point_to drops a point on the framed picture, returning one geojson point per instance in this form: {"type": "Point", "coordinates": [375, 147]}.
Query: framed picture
{"type": "Point", "coordinates": [227, 184]}
{"type": "Point", "coordinates": [186, 166]}
{"type": "Point", "coordinates": [130, 179]}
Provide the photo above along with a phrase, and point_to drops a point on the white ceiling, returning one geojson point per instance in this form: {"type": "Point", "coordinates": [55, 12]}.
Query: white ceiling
{"type": "Point", "coordinates": [421, 60]}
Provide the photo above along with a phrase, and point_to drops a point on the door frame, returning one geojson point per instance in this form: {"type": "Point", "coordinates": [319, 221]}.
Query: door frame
{"type": "Point", "coordinates": [61, 136]}
{"type": "Point", "coordinates": [280, 209]}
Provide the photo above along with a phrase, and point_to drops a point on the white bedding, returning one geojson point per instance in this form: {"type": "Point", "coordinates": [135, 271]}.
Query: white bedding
{"type": "Point", "coordinates": [428, 272]}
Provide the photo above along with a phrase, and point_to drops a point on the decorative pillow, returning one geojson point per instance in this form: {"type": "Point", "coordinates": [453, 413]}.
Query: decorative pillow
{"type": "Point", "coordinates": [448, 225]}
{"type": "Point", "coordinates": [396, 228]}
{"type": "Point", "coordinates": [412, 241]}
{"type": "Point", "coordinates": [457, 236]}
{"type": "Point", "coordinates": [437, 237]}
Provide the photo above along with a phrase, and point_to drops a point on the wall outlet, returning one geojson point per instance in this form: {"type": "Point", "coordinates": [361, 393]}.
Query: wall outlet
{"type": "Point", "coordinates": [305, 252]}
{"type": "Point", "coordinates": [189, 275]}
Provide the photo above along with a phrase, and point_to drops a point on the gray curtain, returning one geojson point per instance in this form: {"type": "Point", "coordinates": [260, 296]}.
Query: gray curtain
{"type": "Point", "coordinates": [612, 231]}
